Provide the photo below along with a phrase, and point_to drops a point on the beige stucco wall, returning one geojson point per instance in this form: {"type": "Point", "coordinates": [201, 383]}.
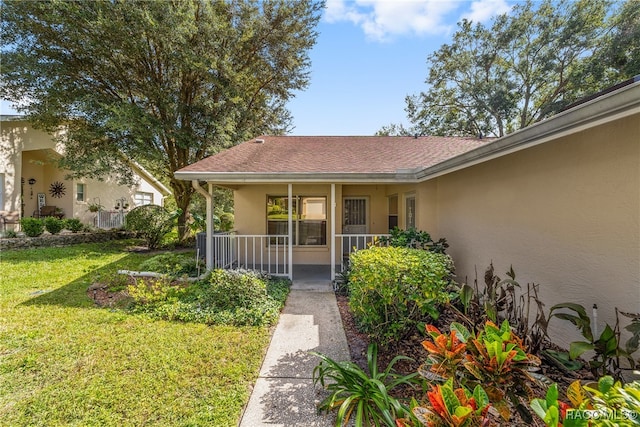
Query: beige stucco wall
{"type": "Point", "coordinates": [29, 153]}
{"type": "Point", "coordinates": [565, 214]}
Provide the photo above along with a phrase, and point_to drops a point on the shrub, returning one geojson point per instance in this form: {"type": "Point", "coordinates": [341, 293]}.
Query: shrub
{"type": "Point", "coordinates": [53, 225]}
{"type": "Point", "coordinates": [448, 407]}
{"type": "Point", "coordinates": [606, 403]}
{"type": "Point", "coordinates": [151, 222]}
{"type": "Point", "coordinates": [363, 394]}
{"type": "Point", "coordinates": [171, 264]}
{"type": "Point", "coordinates": [416, 239]}
{"type": "Point", "coordinates": [10, 234]}
{"type": "Point", "coordinates": [256, 301]}
{"type": "Point", "coordinates": [494, 359]}
{"type": "Point", "coordinates": [392, 289]}
{"type": "Point", "coordinates": [73, 224]}
{"type": "Point", "coordinates": [234, 288]}
{"type": "Point", "coordinates": [32, 227]}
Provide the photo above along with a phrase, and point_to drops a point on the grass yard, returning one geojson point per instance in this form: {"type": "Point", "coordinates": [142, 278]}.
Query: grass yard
{"type": "Point", "coordinates": [65, 362]}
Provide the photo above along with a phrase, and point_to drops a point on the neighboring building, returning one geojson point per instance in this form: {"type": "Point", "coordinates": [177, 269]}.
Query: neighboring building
{"type": "Point", "coordinates": [559, 200]}
{"type": "Point", "coordinates": [29, 178]}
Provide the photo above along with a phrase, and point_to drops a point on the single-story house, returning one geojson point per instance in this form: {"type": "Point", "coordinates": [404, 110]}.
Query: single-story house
{"type": "Point", "coordinates": [30, 180]}
{"type": "Point", "coordinates": [558, 200]}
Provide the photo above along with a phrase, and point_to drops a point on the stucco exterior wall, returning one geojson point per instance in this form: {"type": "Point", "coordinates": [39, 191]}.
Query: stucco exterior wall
{"type": "Point", "coordinates": [565, 214]}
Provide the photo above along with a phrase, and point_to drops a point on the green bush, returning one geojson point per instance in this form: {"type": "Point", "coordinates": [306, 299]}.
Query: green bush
{"type": "Point", "coordinates": [73, 224]}
{"type": "Point", "coordinates": [237, 298]}
{"type": "Point", "coordinates": [416, 239]}
{"type": "Point", "coordinates": [10, 234]}
{"type": "Point", "coordinates": [53, 225]}
{"type": "Point", "coordinates": [235, 288]}
{"type": "Point", "coordinates": [172, 264]}
{"type": "Point", "coordinates": [151, 222]}
{"type": "Point", "coordinates": [392, 289]}
{"type": "Point", "coordinates": [32, 227]}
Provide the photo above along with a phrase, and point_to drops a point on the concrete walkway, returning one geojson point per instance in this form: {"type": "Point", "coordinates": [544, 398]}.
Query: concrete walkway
{"type": "Point", "coordinates": [284, 394]}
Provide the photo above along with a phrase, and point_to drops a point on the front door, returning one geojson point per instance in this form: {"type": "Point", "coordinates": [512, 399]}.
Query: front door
{"type": "Point", "coordinates": [354, 223]}
{"type": "Point", "coordinates": [355, 216]}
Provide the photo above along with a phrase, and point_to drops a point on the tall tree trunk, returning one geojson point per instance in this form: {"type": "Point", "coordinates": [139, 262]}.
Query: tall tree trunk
{"type": "Point", "coordinates": [182, 192]}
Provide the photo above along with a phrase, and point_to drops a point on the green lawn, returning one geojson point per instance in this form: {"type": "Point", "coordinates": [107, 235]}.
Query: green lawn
{"type": "Point", "coordinates": [65, 362]}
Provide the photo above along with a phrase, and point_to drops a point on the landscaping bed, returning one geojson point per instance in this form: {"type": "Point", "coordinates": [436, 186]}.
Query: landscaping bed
{"type": "Point", "coordinates": [426, 351]}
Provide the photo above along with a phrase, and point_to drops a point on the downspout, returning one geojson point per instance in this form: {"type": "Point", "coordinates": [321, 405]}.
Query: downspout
{"type": "Point", "coordinates": [290, 226]}
{"type": "Point", "coordinates": [208, 196]}
{"type": "Point", "coordinates": [333, 232]}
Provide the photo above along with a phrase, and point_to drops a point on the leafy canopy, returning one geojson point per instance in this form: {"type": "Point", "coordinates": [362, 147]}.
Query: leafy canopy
{"type": "Point", "coordinates": [524, 67]}
{"type": "Point", "coordinates": [164, 83]}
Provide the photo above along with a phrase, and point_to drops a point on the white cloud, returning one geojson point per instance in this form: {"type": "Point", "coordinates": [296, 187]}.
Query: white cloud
{"type": "Point", "coordinates": [484, 10]}
{"type": "Point", "coordinates": [383, 19]}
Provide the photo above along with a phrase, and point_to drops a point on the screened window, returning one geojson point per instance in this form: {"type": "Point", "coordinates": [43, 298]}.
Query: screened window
{"type": "Point", "coordinates": [309, 217]}
{"type": "Point", "coordinates": [393, 212]}
{"type": "Point", "coordinates": [80, 192]}
{"type": "Point", "coordinates": [142, 198]}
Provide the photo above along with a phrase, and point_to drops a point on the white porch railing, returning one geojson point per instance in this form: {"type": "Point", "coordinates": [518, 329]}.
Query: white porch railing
{"type": "Point", "coordinates": [109, 219]}
{"type": "Point", "coordinates": [348, 243]}
{"type": "Point", "coordinates": [268, 253]}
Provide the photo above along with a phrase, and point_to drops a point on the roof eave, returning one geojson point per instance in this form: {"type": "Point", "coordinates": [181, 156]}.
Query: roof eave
{"type": "Point", "coordinates": [287, 177]}
{"type": "Point", "coordinates": [613, 106]}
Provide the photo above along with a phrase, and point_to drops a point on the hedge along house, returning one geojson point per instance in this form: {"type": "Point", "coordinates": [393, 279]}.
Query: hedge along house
{"type": "Point", "coordinates": [31, 178]}
{"type": "Point", "coordinates": [559, 200]}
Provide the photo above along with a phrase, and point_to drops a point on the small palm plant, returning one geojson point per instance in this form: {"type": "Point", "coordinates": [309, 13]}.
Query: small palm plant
{"type": "Point", "coordinates": [359, 394]}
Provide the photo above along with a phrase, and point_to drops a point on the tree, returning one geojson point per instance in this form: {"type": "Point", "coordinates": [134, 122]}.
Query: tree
{"type": "Point", "coordinates": [526, 66]}
{"type": "Point", "coordinates": [165, 83]}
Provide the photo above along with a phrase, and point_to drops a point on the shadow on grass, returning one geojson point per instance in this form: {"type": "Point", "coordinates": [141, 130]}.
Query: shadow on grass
{"type": "Point", "coordinates": [74, 294]}
{"type": "Point", "coordinates": [84, 250]}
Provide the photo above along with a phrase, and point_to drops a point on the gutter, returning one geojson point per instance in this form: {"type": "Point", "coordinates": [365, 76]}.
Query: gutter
{"type": "Point", "coordinates": [221, 178]}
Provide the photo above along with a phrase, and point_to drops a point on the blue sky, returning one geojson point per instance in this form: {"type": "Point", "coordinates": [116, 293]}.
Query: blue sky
{"type": "Point", "coordinates": [369, 55]}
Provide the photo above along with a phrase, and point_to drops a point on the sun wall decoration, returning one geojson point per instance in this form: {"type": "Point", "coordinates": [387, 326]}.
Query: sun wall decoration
{"type": "Point", "coordinates": [57, 189]}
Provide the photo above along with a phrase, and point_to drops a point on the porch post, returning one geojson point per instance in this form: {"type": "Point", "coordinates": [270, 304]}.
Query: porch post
{"type": "Point", "coordinates": [208, 196]}
{"type": "Point", "coordinates": [290, 228]}
{"type": "Point", "coordinates": [333, 232]}
{"type": "Point", "coordinates": [210, 230]}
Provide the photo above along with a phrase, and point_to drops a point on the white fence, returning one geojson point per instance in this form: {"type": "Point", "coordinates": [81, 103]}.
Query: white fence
{"type": "Point", "coordinates": [109, 219]}
{"type": "Point", "coordinates": [269, 253]}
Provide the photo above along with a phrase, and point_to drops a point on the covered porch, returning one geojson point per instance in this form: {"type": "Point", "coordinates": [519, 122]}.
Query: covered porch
{"type": "Point", "coordinates": [311, 241]}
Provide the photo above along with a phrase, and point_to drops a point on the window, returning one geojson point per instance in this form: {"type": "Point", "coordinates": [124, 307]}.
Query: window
{"type": "Point", "coordinates": [393, 211]}
{"type": "Point", "coordinates": [410, 211]}
{"type": "Point", "coordinates": [80, 192]}
{"type": "Point", "coordinates": [309, 219]}
{"type": "Point", "coordinates": [142, 198]}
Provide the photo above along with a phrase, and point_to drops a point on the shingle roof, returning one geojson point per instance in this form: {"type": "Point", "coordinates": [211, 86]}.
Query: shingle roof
{"type": "Point", "coordinates": [334, 154]}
